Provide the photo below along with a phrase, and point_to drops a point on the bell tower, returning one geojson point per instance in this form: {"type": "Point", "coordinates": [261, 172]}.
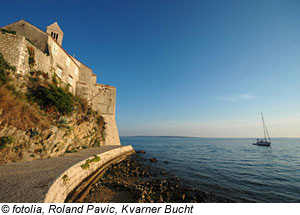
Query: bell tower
{"type": "Point", "coordinates": [55, 32]}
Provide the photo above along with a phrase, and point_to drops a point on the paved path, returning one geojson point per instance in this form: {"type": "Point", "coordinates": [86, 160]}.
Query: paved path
{"type": "Point", "coordinates": [30, 181]}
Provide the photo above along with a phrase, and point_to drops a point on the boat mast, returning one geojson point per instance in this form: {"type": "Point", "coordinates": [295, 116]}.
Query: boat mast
{"type": "Point", "coordinates": [263, 121]}
{"type": "Point", "coordinates": [265, 128]}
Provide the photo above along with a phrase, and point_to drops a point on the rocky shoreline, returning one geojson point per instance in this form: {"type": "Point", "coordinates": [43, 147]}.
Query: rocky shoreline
{"type": "Point", "coordinates": [135, 180]}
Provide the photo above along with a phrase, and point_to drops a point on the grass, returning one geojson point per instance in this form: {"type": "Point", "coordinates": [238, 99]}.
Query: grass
{"type": "Point", "coordinates": [19, 113]}
{"type": "Point", "coordinates": [95, 159]}
{"type": "Point", "coordinates": [16, 112]}
{"type": "Point", "coordinates": [71, 151]}
{"type": "Point", "coordinates": [63, 121]}
{"type": "Point", "coordinates": [96, 142]}
{"type": "Point", "coordinates": [86, 165]}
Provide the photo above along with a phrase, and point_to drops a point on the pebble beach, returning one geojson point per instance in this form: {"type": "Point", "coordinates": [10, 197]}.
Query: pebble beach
{"type": "Point", "coordinates": [135, 180]}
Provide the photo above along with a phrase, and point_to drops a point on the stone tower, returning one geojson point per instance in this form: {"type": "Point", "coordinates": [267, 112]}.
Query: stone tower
{"type": "Point", "coordinates": [55, 31]}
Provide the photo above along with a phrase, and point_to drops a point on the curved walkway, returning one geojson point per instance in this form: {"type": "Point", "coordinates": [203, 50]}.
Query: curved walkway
{"type": "Point", "coordinates": [31, 181]}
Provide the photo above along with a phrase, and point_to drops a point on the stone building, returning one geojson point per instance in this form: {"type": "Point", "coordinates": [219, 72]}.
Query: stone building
{"type": "Point", "coordinates": [50, 57]}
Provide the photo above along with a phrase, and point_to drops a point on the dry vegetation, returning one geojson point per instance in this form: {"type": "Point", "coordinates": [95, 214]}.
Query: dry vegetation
{"type": "Point", "coordinates": [40, 118]}
{"type": "Point", "coordinates": [20, 114]}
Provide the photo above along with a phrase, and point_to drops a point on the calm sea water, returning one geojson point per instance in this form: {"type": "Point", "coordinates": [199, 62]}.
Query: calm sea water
{"type": "Point", "coordinates": [230, 167]}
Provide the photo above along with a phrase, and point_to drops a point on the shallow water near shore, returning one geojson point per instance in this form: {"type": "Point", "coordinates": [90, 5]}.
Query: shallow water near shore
{"type": "Point", "coordinates": [230, 167]}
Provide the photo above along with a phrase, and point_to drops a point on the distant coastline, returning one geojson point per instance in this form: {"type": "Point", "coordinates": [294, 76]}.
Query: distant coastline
{"type": "Point", "coordinates": [166, 136]}
{"type": "Point", "coordinates": [147, 136]}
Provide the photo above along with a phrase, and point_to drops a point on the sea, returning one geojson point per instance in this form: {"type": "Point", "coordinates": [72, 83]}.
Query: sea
{"type": "Point", "coordinates": [229, 167]}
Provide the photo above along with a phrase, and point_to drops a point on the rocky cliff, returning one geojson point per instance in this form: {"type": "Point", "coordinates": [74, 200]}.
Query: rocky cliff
{"type": "Point", "coordinates": [40, 118]}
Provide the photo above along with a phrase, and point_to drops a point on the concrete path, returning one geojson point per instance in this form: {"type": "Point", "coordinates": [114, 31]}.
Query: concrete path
{"type": "Point", "coordinates": [30, 181]}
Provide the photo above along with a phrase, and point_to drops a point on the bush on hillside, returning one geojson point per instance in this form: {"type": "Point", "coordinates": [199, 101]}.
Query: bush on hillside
{"type": "Point", "coordinates": [5, 140]}
{"type": "Point", "coordinates": [31, 60]}
{"type": "Point", "coordinates": [53, 97]}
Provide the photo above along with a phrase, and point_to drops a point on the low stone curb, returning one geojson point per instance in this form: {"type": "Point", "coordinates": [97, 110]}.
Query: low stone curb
{"type": "Point", "coordinates": [52, 179]}
{"type": "Point", "coordinates": [72, 177]}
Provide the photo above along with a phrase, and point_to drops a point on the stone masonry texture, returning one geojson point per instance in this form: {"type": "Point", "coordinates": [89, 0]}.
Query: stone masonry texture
{"type": "Point", "coordinates": [51, 58]}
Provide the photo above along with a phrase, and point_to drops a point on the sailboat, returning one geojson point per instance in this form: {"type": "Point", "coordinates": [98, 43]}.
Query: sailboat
{"type": "Point", "coordinates": [267, 140]}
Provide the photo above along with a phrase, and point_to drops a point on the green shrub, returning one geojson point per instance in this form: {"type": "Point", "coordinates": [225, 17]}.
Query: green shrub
{"type": "Point", "coordinates": [7, 31]}
{"type": "Point", "coordinates": [3, 77]}
{"type": "Point", "coordinates": [54, 97]}
{"type": "Point", "coordinates": [5, 140]}
{"type": "Point", "coordinates": [54, 80]}
{"type": "Point", "coordinates": [33, 132]}
{"type": "Point", "coordinates": [63, 121]}
{"type": "Point", "coordinates": [31, 60]}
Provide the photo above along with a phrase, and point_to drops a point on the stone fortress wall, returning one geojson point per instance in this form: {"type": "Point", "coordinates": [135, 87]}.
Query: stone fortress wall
{"type": "Point", "coordinates": [51, 58]}
{"type": "Point", "coordinates": [15, 50]}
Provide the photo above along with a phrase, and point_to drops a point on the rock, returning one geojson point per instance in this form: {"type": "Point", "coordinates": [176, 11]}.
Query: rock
{"type": "Point", "coordinates": [153, 160]}
{"type": "Point", "coordinates": [131, 184]}
{"type": "Point", "coordinates": [163, 173]}
{"type": "Point", "coordinates": [27, 156]}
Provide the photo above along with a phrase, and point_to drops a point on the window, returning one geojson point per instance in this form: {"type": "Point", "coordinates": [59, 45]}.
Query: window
{"type": "Point", "coordinates": [59, 72]}
{"type": "Point", "coordinates": [68, 62]}
{"type": "Point", "coordinates": [54, 35]}
{"type": "Point", "coordinates": [54, 48]}
{"type": "Point", "coordinates": [70, 80]}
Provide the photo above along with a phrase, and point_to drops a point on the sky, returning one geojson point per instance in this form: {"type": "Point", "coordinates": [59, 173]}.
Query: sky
{"type": "Point", "coordinates": [185, 67]}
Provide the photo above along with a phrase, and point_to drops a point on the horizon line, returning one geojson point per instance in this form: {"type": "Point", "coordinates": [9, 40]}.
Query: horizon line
{"type": "Point", "coordinates": [179, 136]}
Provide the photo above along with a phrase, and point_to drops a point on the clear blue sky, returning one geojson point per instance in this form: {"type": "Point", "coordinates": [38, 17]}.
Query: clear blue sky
{"type": "Point", "coordinates": [185, 67]}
